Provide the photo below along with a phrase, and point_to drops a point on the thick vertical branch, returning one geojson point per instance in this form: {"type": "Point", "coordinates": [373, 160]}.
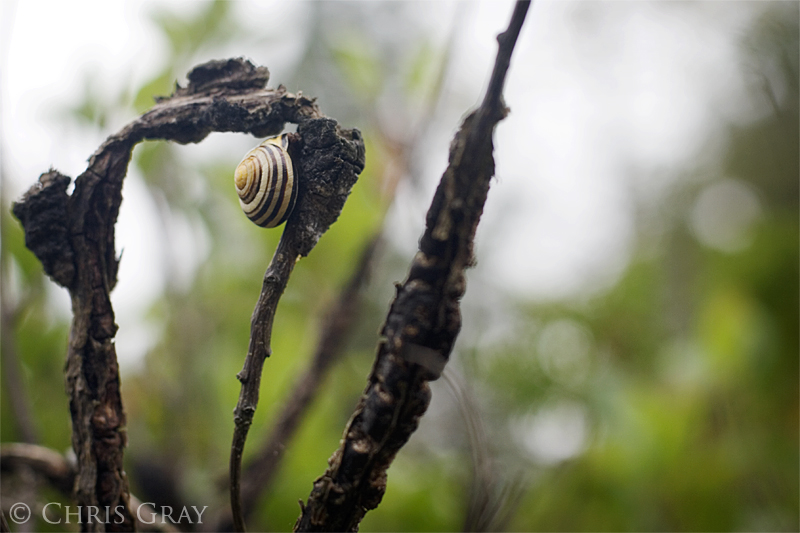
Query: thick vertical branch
{"type": "Point", "coordinates": [74, 237]}
{"type": "Point", "coordinates": [422, 323]}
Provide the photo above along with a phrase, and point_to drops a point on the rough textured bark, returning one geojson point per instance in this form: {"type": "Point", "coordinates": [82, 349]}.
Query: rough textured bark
{"type": "Point", "coordinates": [73, 236]}
{"type": "Point", "coordinates": [422, 323]}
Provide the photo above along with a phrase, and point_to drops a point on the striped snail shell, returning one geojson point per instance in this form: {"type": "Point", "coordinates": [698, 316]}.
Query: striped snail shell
{"type": "Point", "coordinates": [266, 182]}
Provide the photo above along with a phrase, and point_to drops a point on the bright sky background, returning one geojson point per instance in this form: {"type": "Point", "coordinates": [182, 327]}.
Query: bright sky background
{"type": "Point", "coordinates": [608, 100]}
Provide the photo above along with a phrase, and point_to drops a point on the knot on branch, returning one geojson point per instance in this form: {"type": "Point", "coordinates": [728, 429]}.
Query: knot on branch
{"type": "Point", "coordinates": [224, 74]}
{"type": "Point", "coordinates": [42, 210]}
{"type": "Point", "coordinates": [330, 160]}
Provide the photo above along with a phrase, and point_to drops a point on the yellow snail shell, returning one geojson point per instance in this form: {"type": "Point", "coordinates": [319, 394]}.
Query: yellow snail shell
{"type": "Point", "coordinates": [265, 181]}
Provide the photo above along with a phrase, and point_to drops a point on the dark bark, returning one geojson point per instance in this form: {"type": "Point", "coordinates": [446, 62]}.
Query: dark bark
{"type": "Point", "coordinates": [73, 236]}
{"type": "Point", "coordinates": [422, 323]}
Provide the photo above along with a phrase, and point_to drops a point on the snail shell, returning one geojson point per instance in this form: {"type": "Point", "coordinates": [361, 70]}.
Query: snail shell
{"type": "Point", "coordinates": [265, 181]}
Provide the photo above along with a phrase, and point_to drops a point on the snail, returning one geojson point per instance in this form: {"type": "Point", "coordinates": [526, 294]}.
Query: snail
{"type": "Point", "coordinates": [266, 182]}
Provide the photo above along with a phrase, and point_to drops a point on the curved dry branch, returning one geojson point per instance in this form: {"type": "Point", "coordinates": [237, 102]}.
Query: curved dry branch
{"type": "Point", "coordinates": [73, 237]}
{"type": "Point", "coordinates": [422, 323]}
{"type": "Point", "coordinates": [47, 463]}
{"type": "Point", "coordinates": [59, 472]}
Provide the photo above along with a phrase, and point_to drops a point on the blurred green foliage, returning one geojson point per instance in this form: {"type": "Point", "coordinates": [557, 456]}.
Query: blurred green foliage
{"type": "Point", "coordinates": [682, 377]}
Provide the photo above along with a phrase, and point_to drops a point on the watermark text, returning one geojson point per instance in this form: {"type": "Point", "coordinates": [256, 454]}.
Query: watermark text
{"type": "Point", "coordinates": [146, 513]}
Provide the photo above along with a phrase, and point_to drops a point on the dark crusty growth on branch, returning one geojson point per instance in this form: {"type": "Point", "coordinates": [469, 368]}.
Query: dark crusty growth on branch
{"type": "Point", "coordinates": [422, 323]}
{"type": "Point", "coordinates": [225, 74]}
{"type": "Point", "coordinates": [43, 212]}
{"type": "Point", "coordinates": [334, 157]}
{"type": "Point", "coordinates": [73, 236]}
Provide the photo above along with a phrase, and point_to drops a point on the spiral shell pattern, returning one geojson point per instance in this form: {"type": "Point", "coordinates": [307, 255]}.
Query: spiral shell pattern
{"type": "Point", "coordinates": [266, 184]}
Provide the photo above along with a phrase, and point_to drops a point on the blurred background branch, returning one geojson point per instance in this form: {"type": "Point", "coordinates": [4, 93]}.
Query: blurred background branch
{"type": "Point", "coordinates": [57, 471]}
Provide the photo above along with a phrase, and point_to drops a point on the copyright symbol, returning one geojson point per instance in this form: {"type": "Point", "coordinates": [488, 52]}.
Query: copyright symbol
{"type": "Point", "coordinates": [19, 513]}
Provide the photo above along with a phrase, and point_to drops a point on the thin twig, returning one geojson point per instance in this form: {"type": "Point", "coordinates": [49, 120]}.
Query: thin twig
{"type": "Point", "coordinates": [422, 323]}
{"type": "Point", "coordinates": [275, 280]}
{"type": "Point", "coordinates": [338, 324]}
